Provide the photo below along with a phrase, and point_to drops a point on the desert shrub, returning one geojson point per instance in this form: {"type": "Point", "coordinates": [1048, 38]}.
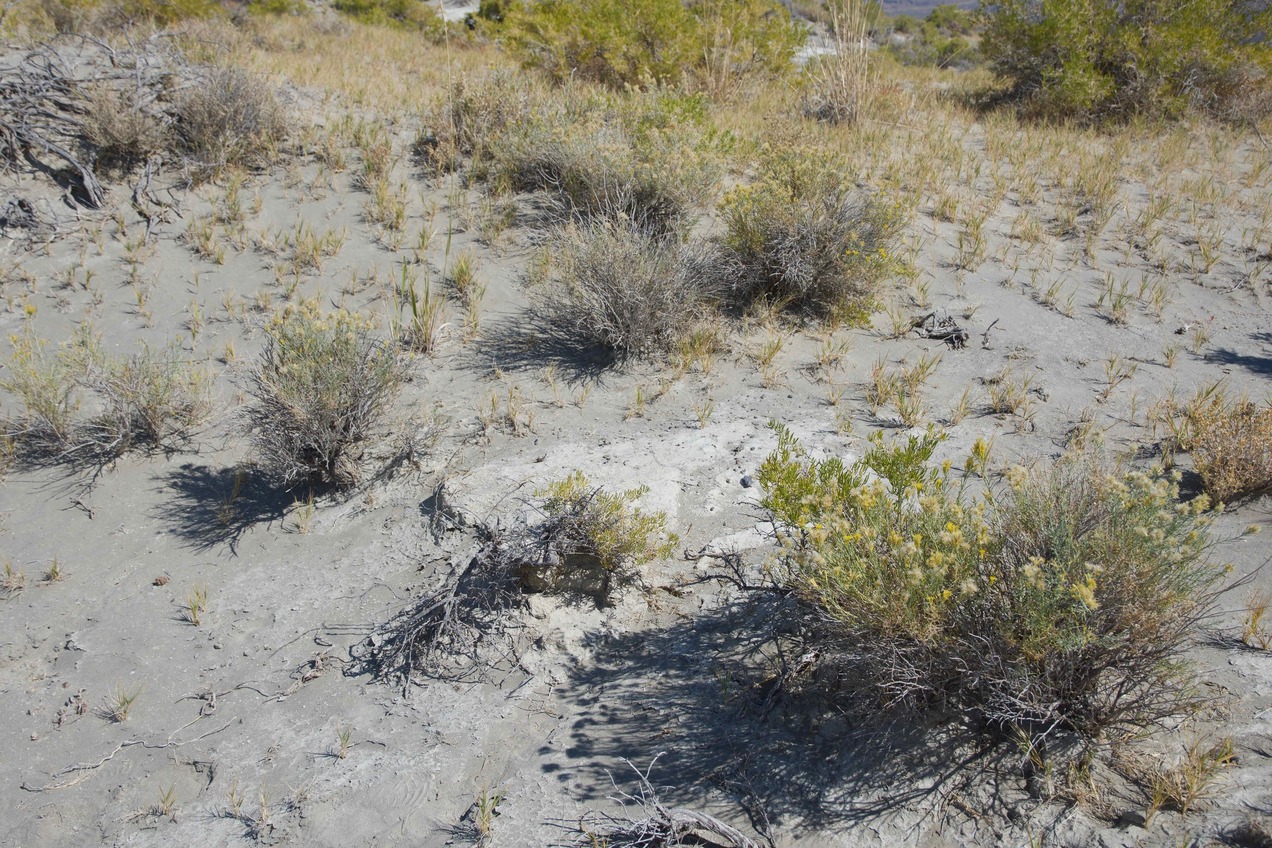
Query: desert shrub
{"type": "Point", "coordinates": [143, 401]}
{"type": "Point", "coordinates": [406, 14]}
{"type": "Point", "coordinates": [147, 400]}
{"type": "Point", "coordinates": [942, 39]}
{"type": "Point", "coordinates": [119, 129]}
{"type": "Point", "coordinates": [653, 159]}
{"type": "Point", "coordinates": [613, 285]}
{"type": "Point", "coordinates": [78, 16]}
{"type": "Point", "coordinates": [1108, 59]}
{"type": "Point", "coordinates": [1061, 604]}
{"type": "Point", "coordinates": [802, 234]}
{"type": "Point", "coordinates": [472, 114]}
{"type": "Point", "coordinates": [621, 43]}
{"type": "Point", "coordinates": [227, 117]}
{"type": "Point", "coordinates": [1231, 446]}
{"type": "Point", "coordinates": [46, 385]}
{"type": "Point", "coordinates": [323, 383]}
{"type": "Point", "coordinates": [580, 518]}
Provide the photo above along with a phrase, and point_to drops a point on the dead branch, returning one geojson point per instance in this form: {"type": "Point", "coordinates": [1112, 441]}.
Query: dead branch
{"type": "Point", "coordinates": [655, 825]}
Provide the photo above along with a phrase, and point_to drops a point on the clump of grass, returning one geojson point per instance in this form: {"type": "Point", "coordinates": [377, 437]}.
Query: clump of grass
{"type": "Point", "coordinates": [14, 581]}
{"type": "Point", "coordinates": [839, 84]}
{"type": "Point", "coordinates": [1254, 625]}
{"type": "Point", "coordinates": [1190, 781]}
{"type": "Point", "coordinates": [1061, 604]}
{"type": "Point", "coordinates": [803, 235]}
{"type": "Point", "coordinates": [613, 286]}
{"type": "Point", "coordinates": [144, 401]}
{"type": "Point", "coordinates": [323, 383]}
{"type": "Point", "coordinates": [119, 705]}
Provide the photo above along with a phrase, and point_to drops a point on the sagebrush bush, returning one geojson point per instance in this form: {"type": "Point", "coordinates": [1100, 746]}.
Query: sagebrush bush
{"type": "Point", "coordinates": [1060, 604]}
{"type": "Point", "coordinates": [626, 43]}
{"type": "Point", "coordinates": [653, 159]}
{"type": "Point", "coordinates": [227, 117]}
{"type": "Point", "coordinates": [803, 235]}
{"type": "Point", "coordinates": [119, 129]}
{"type": "Point", "coordinates": [1112, 59]}
{"type": "Point", "coordinates": [613, 285]}
{"type": "Point", "coordinates": [324, 382]}
{"type": "Point", "coordinates": [580, 518]}
{"type": "Point", "coordinates": [650, 156]}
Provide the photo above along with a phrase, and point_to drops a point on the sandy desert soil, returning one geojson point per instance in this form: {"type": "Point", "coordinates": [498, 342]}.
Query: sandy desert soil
{"type": "Point", "coordinates": [235, 733]}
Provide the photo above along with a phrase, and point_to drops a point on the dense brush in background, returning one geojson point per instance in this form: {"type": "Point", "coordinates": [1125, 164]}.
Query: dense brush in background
{"type": "Point", "coordinates": [1115, 59]}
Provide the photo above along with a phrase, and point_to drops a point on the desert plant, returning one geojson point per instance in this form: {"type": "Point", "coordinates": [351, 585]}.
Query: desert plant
{"type": "Point", "coordinates": [147, 400]}
{"type": "Point", "coordinates": [1062, 604]}
{"type": "Point", "coordinates": [404, 14]}
{"type": "Point", "coordinates": [653, 158]}
{"type": "Point", "coordinates": [1232, 447]}
{"type": "Point", "coordinates": [803, 235]}
{"type": "Point", "coordinates": [1101, 58]}
{"type": "Point", "coordinates": [118, 706]}
{"type": "Point", "coordinates": [839, 84]}
{"type": "Point", "coordinates": [582, 519]}
{"type": "Point", "coordinates": [614, 286]}
{"type": "Point", "coordinates": [120, 129]}
{"type": "Point", "coordinates": [323, 383]}
{"type": "Point", "coordinates": [625, 43]}
{"type": "Point", "coordinates": [227, 117]}
{"type": "Point", "coordinates": [46, 384]}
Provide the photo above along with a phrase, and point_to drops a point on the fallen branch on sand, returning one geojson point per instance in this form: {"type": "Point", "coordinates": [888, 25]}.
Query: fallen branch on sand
{"type": "Point", "coordinates": [656, 825]}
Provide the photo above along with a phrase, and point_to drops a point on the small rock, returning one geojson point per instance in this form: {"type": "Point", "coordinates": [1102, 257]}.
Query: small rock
{"type": "Point", "coordinates": [747, 482]}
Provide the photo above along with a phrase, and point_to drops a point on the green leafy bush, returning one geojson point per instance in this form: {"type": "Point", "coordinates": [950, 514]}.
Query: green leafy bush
{"type": "Point", "coordinates": [406, 14]}
{"type": "Point", "coordinates": [803, 235]}
{"type": "Point", "coordinates": [622, 43]}
{"type": "Point", "coordinates": [1113, 59]}
{"type": "Point", "coordinates": [323, 383]}
{"type": "Point", "coordinates": [1061, 604]}
{"type": "Point", "coordinates": [944, 38]}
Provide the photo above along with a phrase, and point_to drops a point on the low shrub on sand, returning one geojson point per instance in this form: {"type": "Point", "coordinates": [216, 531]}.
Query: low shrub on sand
{"type": "Point", "coordinates": [612, 285]}
{"type": "Point", "coordinates": [1061, 603]}
{"type": "Point", "coordinates": [801, 234]}
{"type": "Point", "coordinates": [324, 381]}
{"type": "Point", "coordinates": [651, 157]}
{"type": "Point", "coordinates": [227, 117]}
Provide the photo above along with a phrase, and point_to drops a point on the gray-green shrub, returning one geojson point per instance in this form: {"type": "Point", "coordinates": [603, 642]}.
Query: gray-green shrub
{"type": "Point", "coordinates": [324, 381]}
{"type": "Point", "coordinates": [613, 285]}
{"type": "Point", "coordinates": [803, 235]}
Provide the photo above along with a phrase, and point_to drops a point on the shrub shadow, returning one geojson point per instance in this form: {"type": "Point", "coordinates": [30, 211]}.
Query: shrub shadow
{"type": "Point", "coordinates": [702, 691]}
{"type": "Point", "coordinates": [216, 506]}
{"type": "Point", "coordinates": [530, 341]}
{"type": "Point", "coordinates": [1261, 365]}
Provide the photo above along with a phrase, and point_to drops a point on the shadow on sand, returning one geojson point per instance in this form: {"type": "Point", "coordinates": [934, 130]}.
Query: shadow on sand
{"type": "Point", "coordinates": [698, 693]}
{"type": "Point", "coordinates": [209, 507]}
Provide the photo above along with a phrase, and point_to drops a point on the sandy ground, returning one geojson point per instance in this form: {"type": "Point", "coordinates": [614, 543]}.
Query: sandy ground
{"type": "Point", "coordinates": [237, 721]}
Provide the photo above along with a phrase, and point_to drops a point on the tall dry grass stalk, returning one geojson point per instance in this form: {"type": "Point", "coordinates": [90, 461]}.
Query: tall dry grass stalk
{"type": "Point", "coordinates": [840, 89]}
